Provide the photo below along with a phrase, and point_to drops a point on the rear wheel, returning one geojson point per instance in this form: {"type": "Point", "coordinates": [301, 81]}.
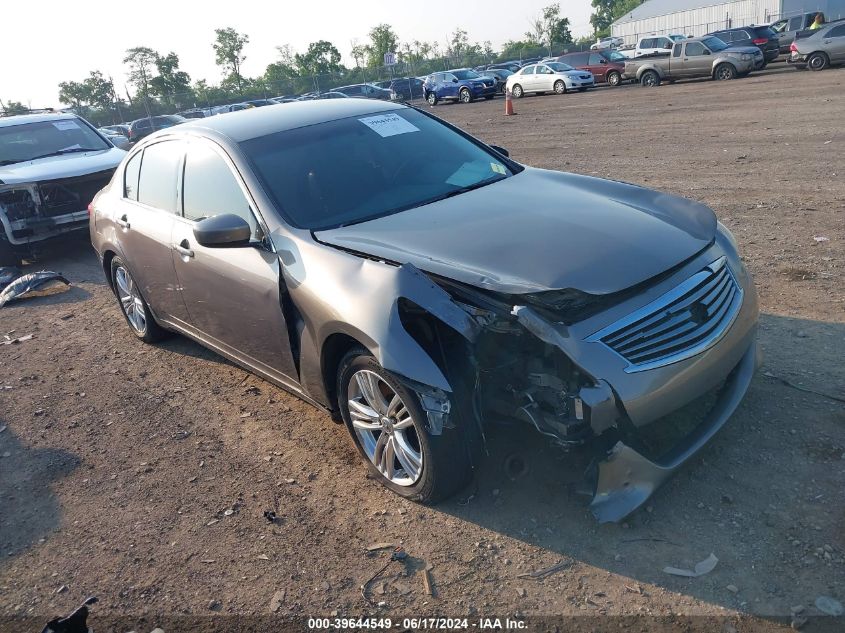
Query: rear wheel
{"type": "Point", "coordinates": [464, 96]}
{"type": "Point", "coordinates": [614, 78]}
{"type": "Point", "coordinates": [431, 98]}
{"type": "Point", "coordinates": [725, 72]}
{"type": "Point", "coordinates": [650, 79]}
{"type": "Point", "coordinates": [517, 91]}
{"type": "Point", "coordinates": [818, 61]}
{"type": "Point", "coordinates": [132, 304]}
{"type": "Point", "coordinates": [560, 87]}
{"type": "Point", "coordinates": [388, 426]}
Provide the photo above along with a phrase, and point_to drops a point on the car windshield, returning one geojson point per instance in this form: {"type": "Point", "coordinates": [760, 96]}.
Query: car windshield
{"type": "Point", "coordinates": [368, 166]}
{"type": "Point", "coordinates": [615, 56]}
{"type": "Point", "coordinates": [559, 67]}
{"type": "Point", "coordinates": [714, 44]}
{"type": "Point", "coordinates": [676, 38]}
{"type": "Point", "coordinates": [28, 141]}
{"type": "Point", "coordinates": [466, 74]}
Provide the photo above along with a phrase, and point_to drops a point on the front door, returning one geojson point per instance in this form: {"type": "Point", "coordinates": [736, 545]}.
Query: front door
{"type": "Point", "coordinates": [598, 66]}
{"type": "Point", "coordinates": [232, 293]}
{"type": "Point", "coordinates": [145, 218]}
{"type": "Point", "coordinates": [697, 60]}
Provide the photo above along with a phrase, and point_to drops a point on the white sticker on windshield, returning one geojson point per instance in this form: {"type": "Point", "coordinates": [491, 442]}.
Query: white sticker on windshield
{"type": "Point", "coordinates": [389, 125]}
{"type": "Point", "coordinates": [66, 125]}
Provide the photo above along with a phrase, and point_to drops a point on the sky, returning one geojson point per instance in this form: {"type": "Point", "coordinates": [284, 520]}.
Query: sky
{"type": "Point", "coordinates": [47, 41]}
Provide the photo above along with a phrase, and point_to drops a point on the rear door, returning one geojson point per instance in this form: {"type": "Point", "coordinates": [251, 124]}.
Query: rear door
{"type": "Point", "coordinates": [145, 219]}
{"type": "Point", "coordinates": [449, 86]}
{"type": "Point", "coordinates": [232, 294]}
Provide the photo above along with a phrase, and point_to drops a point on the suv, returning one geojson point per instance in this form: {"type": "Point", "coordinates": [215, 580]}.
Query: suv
{"type": "Point", "coordinates": [819, 49]}
{"type": "Point", "coordinates": [406, 88]}
{"type": "Point", "coordinates": [763, 37]}
{"type": "Point", "coordinates": [461, 84]}
{"type": "Point", "coordinates": [607, 66]}
{"type": "Point", "coordinates": [51, 166]}
{"type": "Point", "coordinates": [146, 126]}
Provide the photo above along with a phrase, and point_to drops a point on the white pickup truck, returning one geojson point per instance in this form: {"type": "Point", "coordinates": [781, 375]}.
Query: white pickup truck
{"type": "Point", "coordinates": [652, 44]}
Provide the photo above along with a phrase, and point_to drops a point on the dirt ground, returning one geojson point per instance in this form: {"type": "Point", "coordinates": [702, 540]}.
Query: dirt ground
{"type": "Point", "coordinates": [140, 474]}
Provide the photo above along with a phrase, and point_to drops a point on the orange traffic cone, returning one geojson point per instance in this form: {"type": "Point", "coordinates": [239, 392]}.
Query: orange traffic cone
{"type": "Point", "coordinates": [508, 102]}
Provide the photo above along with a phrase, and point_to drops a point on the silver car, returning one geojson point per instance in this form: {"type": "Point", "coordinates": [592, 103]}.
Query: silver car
{"type": "Point", "coordinates": [821, 48]}
{"type": "Point", "coordinates": [418, 284]}
{"type": "Point", "coordinates": [554, 77]}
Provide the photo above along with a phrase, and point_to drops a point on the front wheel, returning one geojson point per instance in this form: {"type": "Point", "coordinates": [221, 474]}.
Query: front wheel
{"type": "Point", "coordinates": [650, 79]}
{"type": "Point", "coordinates": [517, 91]}
{"type": "Point", "coordinates": [818, 61]}
{"type": "Point", "coordinates": [560, 87]}
{"type": "Point", "coordinates": [614, 78]}
{"type": "Point", "coordinates": [431, 98]}
{"type": "Point", "coordinates": [388, 427]}
{"type": "Point", "coordinates": [725, 72]}
{"type": "Point", "coordinates": [133, 306]}
{"type": "Point", "coordinates": [465, 96]}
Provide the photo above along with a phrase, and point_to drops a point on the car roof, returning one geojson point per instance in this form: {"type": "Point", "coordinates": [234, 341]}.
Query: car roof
{"type": "Point", "coordinates": [20, 119]}
{"type": "Point", "coordinates": [254, 122]}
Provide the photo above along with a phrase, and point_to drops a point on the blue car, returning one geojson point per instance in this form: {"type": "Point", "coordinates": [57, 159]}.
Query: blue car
{"type": "Point", "coordinates": [463, 84]}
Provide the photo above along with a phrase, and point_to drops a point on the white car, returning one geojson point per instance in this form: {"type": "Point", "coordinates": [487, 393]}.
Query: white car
{"type": "Point", "coordinates": [607, 42]}
{"type": "Point", "coordinates": [653, 44]}
{"type": "Point", "coordinates": [51, 166]}
{"type": "Point", "coordinates": [549, 77]}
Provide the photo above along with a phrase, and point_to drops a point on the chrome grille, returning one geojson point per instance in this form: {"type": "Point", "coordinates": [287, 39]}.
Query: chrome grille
{"type": "Point", "coordinates": [680, 324]}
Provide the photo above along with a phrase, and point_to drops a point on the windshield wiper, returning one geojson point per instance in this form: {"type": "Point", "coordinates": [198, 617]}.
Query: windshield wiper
{"type": "Point", "coordinates": [67, 151]}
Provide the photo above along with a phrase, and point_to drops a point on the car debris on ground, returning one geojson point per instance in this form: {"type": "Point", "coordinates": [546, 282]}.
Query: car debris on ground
{"type": "Point", "coordinates": [39, 284]}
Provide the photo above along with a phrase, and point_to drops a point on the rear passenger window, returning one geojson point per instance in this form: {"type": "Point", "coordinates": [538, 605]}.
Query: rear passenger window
{"type": "Point", "coordinates": [159, 173]}
{"type": "Point", "coordinates": [130, 177]}
{"type": "Point", "coordinates": [836, 31]}
{"type": "Point", "coordinates": [210, 188]}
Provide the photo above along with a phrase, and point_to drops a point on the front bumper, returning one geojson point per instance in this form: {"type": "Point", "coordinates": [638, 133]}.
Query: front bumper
{"type": "Point", "coordinates": [487, 91]}
{"type": "Point", "coordinates": [797, 59]}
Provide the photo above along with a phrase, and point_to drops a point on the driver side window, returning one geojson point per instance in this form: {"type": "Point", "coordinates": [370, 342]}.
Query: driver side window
{"type": "Point", "coordinates": [695, 49]}
{"type": "Point", "coordinates": [210, 188]}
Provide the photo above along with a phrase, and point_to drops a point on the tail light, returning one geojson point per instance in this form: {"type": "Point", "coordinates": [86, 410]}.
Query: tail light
{"type": "Point", "coordinates": [760, 41]}
{"type": "Point", "coordinates": [90, 209]}
{"type": "Point", "coordinates": [793, 48]}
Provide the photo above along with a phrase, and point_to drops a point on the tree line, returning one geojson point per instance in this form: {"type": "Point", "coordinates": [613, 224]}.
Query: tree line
{"type": "Point", "coordinates": [159, 85]}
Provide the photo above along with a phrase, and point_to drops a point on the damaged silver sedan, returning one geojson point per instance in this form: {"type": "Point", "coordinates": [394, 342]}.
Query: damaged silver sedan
{"type": "Point", "coordinates": [420, 285]}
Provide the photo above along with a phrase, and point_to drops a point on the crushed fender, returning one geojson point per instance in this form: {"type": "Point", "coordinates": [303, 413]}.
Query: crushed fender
{"type": "Point", "coordinates": [38, 284]}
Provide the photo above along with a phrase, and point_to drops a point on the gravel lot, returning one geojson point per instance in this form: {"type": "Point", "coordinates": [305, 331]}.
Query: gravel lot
{"type": "Point", "coordinates": [140, 474]}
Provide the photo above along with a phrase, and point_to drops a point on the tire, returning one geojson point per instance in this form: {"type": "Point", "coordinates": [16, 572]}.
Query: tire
{"type": "Point", "coordinates": [517, 91]}
{"type": "Point", "coordinates": [133, 305]}
{"type": "Point", "coordinates": [818, 61]}
{"type": "Point", "coordinates": [613, 78]}
{"type": "Point", "coordinates": [464, 95]}
{"type": "Point", "coordinates": [650, 79]}
{"type": "Point", "coordinates": [724, 72]}
{"type": "Point", "coordinates": [560, 87]}
{"type": "Point", "coordinates": [426, 468]}
{"type": "Point", "coordinates": [431, 98]}
{"type": "Point", "coordinates": [8, 257]}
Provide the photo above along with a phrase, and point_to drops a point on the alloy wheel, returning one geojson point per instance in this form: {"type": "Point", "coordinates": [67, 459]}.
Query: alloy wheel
{"type": "Point", "coordinates": [385, 428]}
{"type": "Point", "coordinates": [130, 300]}
{"type": "Point", "coordinates": [560, 87]}
{"type": "Point", "coordinates": [465, 96]}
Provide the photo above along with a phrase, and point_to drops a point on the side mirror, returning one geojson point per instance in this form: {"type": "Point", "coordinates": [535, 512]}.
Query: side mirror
{"type": "Point", "coordinates": [227, 229]}
{"type": "Point", "coordinates": [454, 80]}
{"type": "Point", "coordinates": [501, 150]}
{"type": "Point", "coordinates": [603, 61]}
{"type": "Point", "coordinates": [706, 52]}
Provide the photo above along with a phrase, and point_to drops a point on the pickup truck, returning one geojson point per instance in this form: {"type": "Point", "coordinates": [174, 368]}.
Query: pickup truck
{"type": "Point", "coordinates": [694, 58]}
{"type": "Point", "coordinates": [652, 44]}
{"type": "Point", "coordinates": [787, 28]}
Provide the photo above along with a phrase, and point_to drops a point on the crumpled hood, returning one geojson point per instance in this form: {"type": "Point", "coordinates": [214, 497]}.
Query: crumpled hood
{"type": "Point", "coordinates": [541, 230]}
{"type": "Point", "coordinates": [64, 166]}
{"type": "Point", "coordinates": [739, 50]}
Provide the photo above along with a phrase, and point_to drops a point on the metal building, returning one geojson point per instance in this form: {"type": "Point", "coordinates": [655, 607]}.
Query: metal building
{"type": "Point", "coordinates": [698, 17]}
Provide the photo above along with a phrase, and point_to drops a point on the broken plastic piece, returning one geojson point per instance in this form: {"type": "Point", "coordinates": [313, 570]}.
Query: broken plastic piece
{"type": "Point", "coordinates": [704, 567]}
{"type": "Point", "coordinates": [32, 285]}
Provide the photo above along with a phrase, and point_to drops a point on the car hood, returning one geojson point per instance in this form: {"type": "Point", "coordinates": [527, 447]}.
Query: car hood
{"type": "Point", "coordinates": [540, 230]}
{"type": "Point", "coordinates": [739, 50]}
{"type": "Point", "coordinates": [574, 74]}
{"type": "Point", "coordinates": [65, 166]}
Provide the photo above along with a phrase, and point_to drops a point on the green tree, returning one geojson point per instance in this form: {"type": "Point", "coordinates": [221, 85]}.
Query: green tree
{"type": "Point", "coordinates": [321, 58]}
{"type": "Point", "coordinates": [550, 28]}
{"type": "Point", "coordinates": [74, 94]}
{"type": "Point", "coordinates": [100, 91]}
{"type": "Point", "coordinates": [228, 48]}
{"type": "Point", "coordinates": [171, 83]}
{"type": "Point", "coordinates": [608, 11]}
{"type": "Point", "coordinates": [382, 40]}
{"type": "Point", "coordinates": [13, 107]}
{"type": "Point", "coordinates": [359, 54]}
{"type": "Point", "coordinates": [141, 60]}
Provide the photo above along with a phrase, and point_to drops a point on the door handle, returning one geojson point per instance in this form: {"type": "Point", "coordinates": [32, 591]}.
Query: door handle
{"type": "Point", "coordinates": [123, 222]}
{"type": "Point", "coordinates": [183, 248]}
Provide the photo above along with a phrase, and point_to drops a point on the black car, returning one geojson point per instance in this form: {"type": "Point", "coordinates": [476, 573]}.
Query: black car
{"type": "Point", "coordinates": [763, 37]}
{"type": "Point", "coordinates": [407, 88]}
{"type": "Point", "coordinates": [146, 126]}
{"type": "Point", "coordinates": [368, 91]}
{"type": "Point", "coordinates": [500, 75]}
{"type": "Point", "coordinates": [511, 66]}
